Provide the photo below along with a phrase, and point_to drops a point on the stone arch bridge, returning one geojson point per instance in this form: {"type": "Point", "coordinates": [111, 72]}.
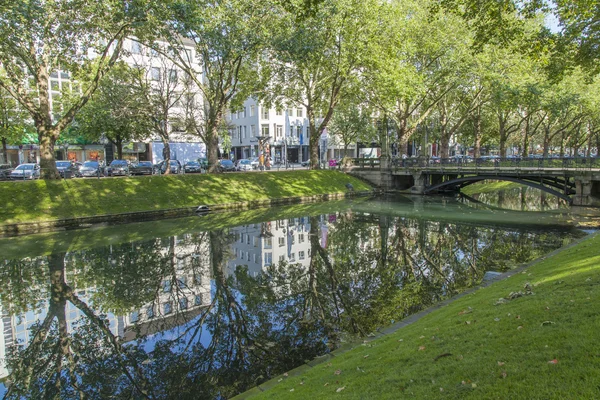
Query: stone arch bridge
{"type": "Point", "coordinates": [576, 180]}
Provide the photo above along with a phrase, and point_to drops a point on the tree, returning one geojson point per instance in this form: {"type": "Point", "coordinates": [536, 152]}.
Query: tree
{"type": "Point", "coordinates": [352, 123]}
{"type": "Point", "coordinates": [314, 60]}
{"type": "Point", "coordinates": [163, 93]}
{"type": "Point", "coordinates": [38, 38]}
{"type": "Point", "coordinates": [114, 111]}
{"type": "Point", "coordinates": [14, 121]}
{"type": "Point", "coordinates": [227, 37]}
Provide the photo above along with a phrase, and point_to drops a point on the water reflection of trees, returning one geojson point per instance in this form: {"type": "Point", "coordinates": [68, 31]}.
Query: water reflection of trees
{"type": "Point", "coordinates": [522, 198]}
{"type": "Point", "coordinates": [372, 271]}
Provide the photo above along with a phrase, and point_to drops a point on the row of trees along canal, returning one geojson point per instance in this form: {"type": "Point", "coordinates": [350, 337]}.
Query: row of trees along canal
{"type": "Point", "coordinates": [409, 64]}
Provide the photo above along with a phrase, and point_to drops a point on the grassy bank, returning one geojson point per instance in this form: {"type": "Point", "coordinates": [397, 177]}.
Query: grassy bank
{"type": "Point", "coordinates": [541, 344]}
{"type": "Point", "coordinates": [51, 200]}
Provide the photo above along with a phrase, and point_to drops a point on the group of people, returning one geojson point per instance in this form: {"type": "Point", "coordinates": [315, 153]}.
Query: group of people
{"type": "Point", "coordinates": [264, 162]}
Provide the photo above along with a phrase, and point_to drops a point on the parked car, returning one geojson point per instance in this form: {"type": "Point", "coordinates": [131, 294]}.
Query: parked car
{"type": "Point", "coordinates": [434, 160]}
{"type": "Point", "coordinates": [118, 167]}
{"type": "Point", "coordinates": [5, 170]}
{"type": "Point", "coordinates": [141, 168]}
{"type": "Point", "coordinates": [191, 167]}
{"type": "Point", "coordinates": [67, 169]}
{"type": "Point", "coordinates": [243, 165]}
{"type": "Point", "coordinates": [226, 165]}
{"type": "Point", "coordinates": [176, 167]}
{"type": "Point", "coordinates": [26, 171]}
{"type": "Point", "coordinates": [91, 169]}
{"type": "Point", "coordinates": [254, 162]}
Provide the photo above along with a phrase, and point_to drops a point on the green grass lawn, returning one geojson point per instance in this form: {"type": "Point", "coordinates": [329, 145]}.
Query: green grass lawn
{"type": "Point", "coordinates": [50, 200]}
{"type": "Point", "coordinates": [489, 187]}
{"type": "Point", "coordinates": [539, 346]}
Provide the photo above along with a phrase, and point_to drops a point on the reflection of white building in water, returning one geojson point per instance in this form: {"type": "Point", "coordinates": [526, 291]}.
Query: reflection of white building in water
{"type": "Point", "coordinates": [181, 297]}
{"type": "Point", "coordinates": [260, 245]}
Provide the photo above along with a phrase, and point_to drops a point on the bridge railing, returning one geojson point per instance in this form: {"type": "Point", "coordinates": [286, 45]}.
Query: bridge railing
{"type": "Point", "coordinates": [487, 163]}
{"type": "Point", "coordinates": [367, 162]}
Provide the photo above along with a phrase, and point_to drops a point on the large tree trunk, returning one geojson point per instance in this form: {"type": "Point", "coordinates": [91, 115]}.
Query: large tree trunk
{"type": "Point", "coordinates": [166, 153]}
{"type": "Point", "coordinates": [5, 150]}
{"type": "Point", "coordinates": [478, 134]}
{"type": "Point", "coordinates": [212, 140]}
{"type": "Point", "coordinates": [47, 141]}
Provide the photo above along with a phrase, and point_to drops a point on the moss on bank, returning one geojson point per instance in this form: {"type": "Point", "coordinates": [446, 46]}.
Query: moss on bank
{"type": "Point", "coordinates": [51, 200]}
{"type": "Point", "coordinates": [540, 342]}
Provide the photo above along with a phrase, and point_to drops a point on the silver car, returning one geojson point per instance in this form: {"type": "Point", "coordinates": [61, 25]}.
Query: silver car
{"type": "Point", "coordinates": [25, 171]}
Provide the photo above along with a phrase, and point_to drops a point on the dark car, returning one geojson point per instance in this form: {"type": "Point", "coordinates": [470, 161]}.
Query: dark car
{"type": "Point", "coordinates": [176, 167]}
{"type": "Point", "coordinates": [5, 170]}
{"type": "Point", "coordinates": [226, 165]}
{"type": "Point", "coordinates": [91, 169]}
{"type": "Point", "coordinates": [118, 167]}
{"type": "Point", "coordinates": [67, 169]}
{"type": "Point", "coordinates": [25, 171]}
{"type": "Point", "coordinates": [142, 168]}
{"type": "Point", "coordinates": [192, 167]}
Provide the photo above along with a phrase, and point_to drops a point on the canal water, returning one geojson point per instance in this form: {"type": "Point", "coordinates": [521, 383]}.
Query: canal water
{"type": "Point", "coordinates": [209, 306]}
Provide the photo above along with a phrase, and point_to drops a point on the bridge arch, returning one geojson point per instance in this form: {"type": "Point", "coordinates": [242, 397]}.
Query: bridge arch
{"type": "Point", "coordinates": [458, 183]}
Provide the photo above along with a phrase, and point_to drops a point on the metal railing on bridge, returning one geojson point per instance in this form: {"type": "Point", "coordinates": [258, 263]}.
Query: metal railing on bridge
{"type": "Point", "coordinates": [485, 163]}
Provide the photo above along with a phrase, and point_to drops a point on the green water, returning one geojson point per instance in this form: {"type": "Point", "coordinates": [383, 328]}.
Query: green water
{"type": "Point", "coordinates": [207, 307]}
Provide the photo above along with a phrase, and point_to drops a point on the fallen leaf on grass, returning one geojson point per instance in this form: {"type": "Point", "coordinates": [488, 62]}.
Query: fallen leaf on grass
{"type": "Point", "coordinates": [503, 375]}
{"type": "Point", "coordinates": [546, 323]}
{"type": "Point", "coordinates": [473, 385]}
{"type": "Point", "coordinates": [337, 372]}
{"type": "Point", "coordinates": [366, 356]}
{"type": "Point", "coordinates": [500, 363]}
{"type": "Point", "coordinates": [286, 374]}
{"type": "Point", "coordinates": [519, 327]}
{"type": "Point", "coordinates": [497, 319]}
{"type": "Point", "coordinates": [421, 348]}
{"type": "Point", "coordinates": [441, 389]}
{"type": "Point", "coordinates": [468, 322]}
{"type": "Point", "coordinates": [326, 384]}
{"type": "Point", "coordinates": [292, 389]}
{"type": "Point", "coordinates": [555, 361]}
{"type": "Point", "coordinates": [421, 337]}
{"type": "Point", "coordinates": [340, 389]}
{"type": "Point", "coordinates": [279, 380]}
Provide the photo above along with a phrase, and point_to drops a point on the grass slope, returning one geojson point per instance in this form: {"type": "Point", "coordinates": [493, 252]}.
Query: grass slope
{"type": "Point", "coordinates": [50, 200]}
{"type": "Point", "coordinates": [539, 346]}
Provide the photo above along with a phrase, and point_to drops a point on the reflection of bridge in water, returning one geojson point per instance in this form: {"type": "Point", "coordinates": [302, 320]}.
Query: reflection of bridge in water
{"type": "Point", "coordinates": [576, 180]}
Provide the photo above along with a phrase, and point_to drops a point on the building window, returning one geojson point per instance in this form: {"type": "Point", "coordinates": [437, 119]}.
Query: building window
{"type": "Point", "coordinates": [292, 257]}
{"type": "Point", "coordinates": [155, 73]}
{"type": "Point", "coordinates": [265, 130]}
{"type": "Point", "coordinates": [173, 75]}
{"type": "Point", "coordinates": [278, 132]}
{"type": "Point", "coordinates": [244, 111]}
{"type": "Point", "coordinates": [245, 132]}
{"type": "Point", "coordinates": [278, 112]}
{"type": "Point", "coordinates": [281, 258]}
{"type": "Point", "coordinates": [252, 110]}
{"type": "Point", "coordinates": [299, 112]}
{"type": "Point", "coordinates": [136, 47]}
{"type": "Point", "coordinates": [247, 256]}
{"type": "Point", "coordinates": [166, 286]}
{"type": "Point", "coordinates": [299, 131]}
{"type": "Point", "coordinates": [183, 303]}
{"type": "Point", "coordinates": [197, 300]}
{"type": "Point", "coordinates": [255, 241]}
{"type": "Point", "coordinates": [150, 312]}
{"type": "Point", "coordinates": [281, 242]}
{"type": "Point", "coordinates": [247, 239]}
{"type": "Point", "coordinates": [268, 258]}
{"type": "Point", "coordinates": [265, 113]}
{"type": "Point", "coordinates": [301, 255]}
{"type": "Point", "coordinates": [181, 282]}
{"type": "Point", "coordinates": [252, 130]}
{"type": "Point", "coordinates": [134, 316]}
{"type": "Point", "coordinates": [291, 112]}
{"type": "Point", "coordinates": [301, 238]}
{"type": "Point", "coordinates": [268, 243]}
{"type": "Point", "coordinates": [167, 308]}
